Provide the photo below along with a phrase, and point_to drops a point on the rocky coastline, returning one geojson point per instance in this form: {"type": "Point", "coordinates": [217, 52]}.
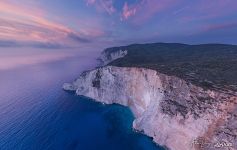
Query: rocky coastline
{"type": "Point", "coordinates": [175, 113]}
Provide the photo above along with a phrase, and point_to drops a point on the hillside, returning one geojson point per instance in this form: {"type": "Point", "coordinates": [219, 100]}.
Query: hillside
{"type": "Point", "coordinates": [206, 65]}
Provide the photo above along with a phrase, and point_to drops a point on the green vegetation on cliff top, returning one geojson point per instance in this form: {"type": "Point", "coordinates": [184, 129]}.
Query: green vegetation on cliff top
{"type": "Point", "coordinates": [206, 65]}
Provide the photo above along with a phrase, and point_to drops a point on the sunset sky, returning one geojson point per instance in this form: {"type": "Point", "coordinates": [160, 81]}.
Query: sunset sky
{"type": "Point", "coordinates": [55, 24]}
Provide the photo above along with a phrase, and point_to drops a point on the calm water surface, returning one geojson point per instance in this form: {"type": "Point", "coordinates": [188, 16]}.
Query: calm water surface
{"type": "Point", "coordinates": [36, 114]}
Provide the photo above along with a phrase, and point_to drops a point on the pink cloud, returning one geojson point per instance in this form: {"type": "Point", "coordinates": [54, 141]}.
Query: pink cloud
{"type": "Point", "coordinates": [146, 9]}
{"type": "Point", "coordinates": [128, 11]}
{"type": "Point", "coordinates": [29, 25]}
{"type": "Point", "coordinates": [92, 27]}
{"type": "Point", "coordinates": [93, 32]}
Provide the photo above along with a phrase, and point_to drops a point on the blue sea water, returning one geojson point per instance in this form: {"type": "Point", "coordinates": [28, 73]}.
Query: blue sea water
{"type": "Point", "coordinates": [36, 114]}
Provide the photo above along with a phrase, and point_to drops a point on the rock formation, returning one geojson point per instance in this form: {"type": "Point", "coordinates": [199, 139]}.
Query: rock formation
{"type": "Point", "coordinates": [108, 56]}
{"type": "Point", "coordinates": [174, 112]}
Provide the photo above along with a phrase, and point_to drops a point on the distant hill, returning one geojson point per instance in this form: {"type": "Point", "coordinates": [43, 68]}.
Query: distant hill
{"type": "Point", "coordinates": [206, 65]}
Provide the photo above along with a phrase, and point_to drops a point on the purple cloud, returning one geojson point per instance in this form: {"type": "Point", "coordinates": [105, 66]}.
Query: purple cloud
{"type": "Point", "coordinates": [203, 10]}
{"type": "Point", "coordinates": [20, 27]}
{"type": "Point", "coordinates": [128, 11]}
{"type": "Point", "coordinates": [222, 26]}
{"type": "Point", "coordinates": [103, 5]}
{"type": "Point", "coordinates": [144, 10]}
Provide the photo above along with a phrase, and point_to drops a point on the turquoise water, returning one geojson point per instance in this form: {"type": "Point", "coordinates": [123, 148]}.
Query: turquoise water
{"type": "Point", "coordinates": [36, 114]}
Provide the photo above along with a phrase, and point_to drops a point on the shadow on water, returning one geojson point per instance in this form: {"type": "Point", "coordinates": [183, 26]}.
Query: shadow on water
{"type": "Point", "coordinates": [36, 114]}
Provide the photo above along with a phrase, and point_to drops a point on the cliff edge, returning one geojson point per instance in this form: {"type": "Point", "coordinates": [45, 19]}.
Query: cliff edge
{"type": "Point", "coordinates": [176, 113]}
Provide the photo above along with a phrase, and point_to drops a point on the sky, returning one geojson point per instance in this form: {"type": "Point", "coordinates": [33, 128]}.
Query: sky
{"type": "Point", "coordinates": [63, 25]}
{"type": "Point", "coordinates": [102, 23]}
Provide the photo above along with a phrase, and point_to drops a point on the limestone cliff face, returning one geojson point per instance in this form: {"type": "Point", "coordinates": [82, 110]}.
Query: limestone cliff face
{"type": "Point", "coordinates": [108, 56]}
{"type": "Point", "coordinates": [175, 113]}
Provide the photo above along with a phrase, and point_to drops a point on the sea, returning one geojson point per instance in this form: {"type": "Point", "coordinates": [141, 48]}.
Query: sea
{"type": "Point", "coordinates": [36, 114]}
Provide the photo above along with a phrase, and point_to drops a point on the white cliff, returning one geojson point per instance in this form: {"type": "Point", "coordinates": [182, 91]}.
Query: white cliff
{"type": "Point", "coordinates": [175, 113]}
{"type": "Point", "coordinates": [108, 56]}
